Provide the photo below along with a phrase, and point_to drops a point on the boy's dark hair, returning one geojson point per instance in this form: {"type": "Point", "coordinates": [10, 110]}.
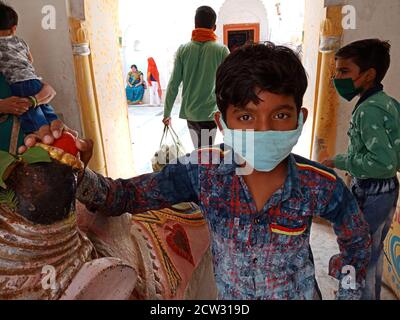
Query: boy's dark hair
{"type": "Point", "coordinates": [368, 53]}
{"type": "Point", "coordinates": [8, 17]}
{"type": "Point", "coordinates": [134, 65]}
{"type": "Point", "coordinates": [267, 67]}
{"type": "Point", "coordinates": [205, 17]}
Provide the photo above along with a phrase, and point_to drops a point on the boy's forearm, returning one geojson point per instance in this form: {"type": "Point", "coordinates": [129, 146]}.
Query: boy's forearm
{"type": "Point", "coordinates": [113, 197]}
{"type": "Point", "coordinates": [350, 266]}
{"type": "Point", "coordinates": [136, 195]}
{"type": "Point", "coordinates": [354, 241]}
{"type": "Point", "coordinates": [340, 162]}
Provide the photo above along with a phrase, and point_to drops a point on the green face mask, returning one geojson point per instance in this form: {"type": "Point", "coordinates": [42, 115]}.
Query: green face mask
{"type": "Point", "coordinates": [346, 88]}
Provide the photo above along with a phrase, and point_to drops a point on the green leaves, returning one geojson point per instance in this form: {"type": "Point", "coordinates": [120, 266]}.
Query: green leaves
{"type": "Point", "coordinates": [8, 161]}
{"type": "Point", "coordinates": [35, 155]}
{"type": "Point", "coordinates": [7, 197]}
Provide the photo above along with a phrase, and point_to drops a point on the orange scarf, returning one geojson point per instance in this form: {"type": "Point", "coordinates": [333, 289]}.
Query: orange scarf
{"type": "Point", "coordinates": [152, 70]}
{"type": "Point", "coordinates": [203, 35]}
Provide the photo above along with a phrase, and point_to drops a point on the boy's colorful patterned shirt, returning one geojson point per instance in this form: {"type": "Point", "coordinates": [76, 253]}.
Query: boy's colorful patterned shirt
{"type": "Point", "coordinates": [256, 255]}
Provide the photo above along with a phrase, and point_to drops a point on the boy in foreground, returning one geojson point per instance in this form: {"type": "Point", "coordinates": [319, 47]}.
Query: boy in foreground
{"type": "Point", "coordinates": [258, 198]}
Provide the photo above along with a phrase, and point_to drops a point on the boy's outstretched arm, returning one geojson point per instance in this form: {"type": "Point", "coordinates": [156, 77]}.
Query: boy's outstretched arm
{"type": "Point", "coordinates": [354, 242]}
{"type": "Point", "coordinates": [152, 191]}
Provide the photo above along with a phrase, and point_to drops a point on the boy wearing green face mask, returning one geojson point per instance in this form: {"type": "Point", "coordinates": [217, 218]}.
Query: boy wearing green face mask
{"type": "Point", "coordinates": [374, 147]}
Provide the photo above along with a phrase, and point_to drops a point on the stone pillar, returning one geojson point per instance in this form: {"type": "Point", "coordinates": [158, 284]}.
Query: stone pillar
{"type": "Point", "coordinates": [86, 95]}
{"type": "Point", "coordinates": [324, 136]}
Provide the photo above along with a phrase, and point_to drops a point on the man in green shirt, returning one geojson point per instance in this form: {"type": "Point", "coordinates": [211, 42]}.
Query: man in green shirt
{"type": "Point", "coordinates": [373, 154]}
{"type": "Point", "coordinates": [196, 65]}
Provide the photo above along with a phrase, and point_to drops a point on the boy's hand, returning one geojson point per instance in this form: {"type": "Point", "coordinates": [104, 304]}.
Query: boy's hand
{"type": "Point", "coordinates": [329, 163]}
{"type": "Point", "coordinates": [47, 135]}
{"type": "Point", "coordinates": [85, 147]}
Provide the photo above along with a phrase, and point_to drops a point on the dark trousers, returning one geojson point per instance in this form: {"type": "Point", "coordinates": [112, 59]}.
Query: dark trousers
{"type": "Point", "coordinates": [202, 133]}
{"type": "Point", "coordinates": [377, 199]}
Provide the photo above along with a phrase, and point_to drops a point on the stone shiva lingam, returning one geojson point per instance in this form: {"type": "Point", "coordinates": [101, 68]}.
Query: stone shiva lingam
{"type": "Point", "coordinates": [43, 254]}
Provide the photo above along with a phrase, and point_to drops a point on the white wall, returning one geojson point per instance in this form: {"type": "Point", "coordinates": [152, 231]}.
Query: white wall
{"type": "Point", "coordinates": [52, 53]}
{"type": "Point", "coordinates": [162, 26]}
{"type": "Point", "coordinates": [243, 11]}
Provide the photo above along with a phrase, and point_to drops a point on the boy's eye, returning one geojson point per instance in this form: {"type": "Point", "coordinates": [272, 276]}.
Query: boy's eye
{"type": "Point", "coordinates": [245, 117]}
{"type": "Point", "coordinates": [281, 116]}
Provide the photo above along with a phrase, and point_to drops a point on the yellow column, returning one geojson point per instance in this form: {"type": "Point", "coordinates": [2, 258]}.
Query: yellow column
{"type": "Point", "coordinates": [324, 130]}
{"type": "Point", "coordinates": [86, 94]}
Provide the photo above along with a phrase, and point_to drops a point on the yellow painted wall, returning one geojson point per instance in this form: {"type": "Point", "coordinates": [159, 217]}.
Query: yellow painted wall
{"type": "Point", "coordinates": [102, 23]}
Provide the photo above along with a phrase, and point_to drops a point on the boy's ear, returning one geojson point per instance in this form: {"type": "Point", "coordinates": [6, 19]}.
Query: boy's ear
{"type": "Point", "coordinates": [305, 114]}
{"type": "Point", "coordinates": [217, 119]}
{"type": "Point", "coordinates": [14, 29]}
{"type": "Point", "coordinates": [371, 75]}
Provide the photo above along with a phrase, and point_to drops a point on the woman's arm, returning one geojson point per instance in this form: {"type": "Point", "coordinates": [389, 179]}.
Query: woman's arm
{"type": "Point", "coordinates": [128, 82]}
{"type": "Point", "coordinates": [46, 94]}
{"type": "Point", "coordinates": [14, 105]}
{"type": "Point", "coordinates": [141, 81]}
{"type": "Point", "coordinates": [30, 57]}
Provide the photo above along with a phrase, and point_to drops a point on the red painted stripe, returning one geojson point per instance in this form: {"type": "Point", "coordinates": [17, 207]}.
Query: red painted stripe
{"type": "Point", "coordinates": [327, 175]}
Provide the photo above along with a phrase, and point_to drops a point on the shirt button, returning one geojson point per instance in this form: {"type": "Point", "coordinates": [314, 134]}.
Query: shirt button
{"type": "Point", "coordinates": [255, 260]}
{"type": "Point", "coordinates": [256, 221]}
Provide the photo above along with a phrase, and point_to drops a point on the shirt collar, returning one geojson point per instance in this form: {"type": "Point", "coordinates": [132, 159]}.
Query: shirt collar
{"type": "Point", "coordinates": [292, 185]}
{"type": "Point", "coordinates": [369, 93]}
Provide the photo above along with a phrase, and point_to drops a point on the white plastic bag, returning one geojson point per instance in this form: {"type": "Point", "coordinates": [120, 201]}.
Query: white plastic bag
{"type": "Point", "coordinates": [168, 152]}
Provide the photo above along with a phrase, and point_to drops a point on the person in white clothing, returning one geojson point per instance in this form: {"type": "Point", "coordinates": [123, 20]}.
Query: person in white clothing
{"type": "Point", "coordinates": [153, 80]}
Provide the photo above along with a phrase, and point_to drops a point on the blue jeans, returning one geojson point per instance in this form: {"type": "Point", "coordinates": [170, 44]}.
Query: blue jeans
{"type": "Point", "coordinates": [377, 198]}
{"type": "Point", "coordinates": [37, 117]}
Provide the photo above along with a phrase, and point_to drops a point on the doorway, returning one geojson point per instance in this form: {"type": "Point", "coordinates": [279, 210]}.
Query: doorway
{"type": "Point", "coordinates": [237, 35]}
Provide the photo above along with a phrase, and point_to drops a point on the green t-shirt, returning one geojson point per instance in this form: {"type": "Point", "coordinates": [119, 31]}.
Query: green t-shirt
{"type": "Point", "coordinates": [196, 65]}
{"type": "Point", "coordinates": [374, 147]}
{"type": "Point", "coordinates": [6, 121]}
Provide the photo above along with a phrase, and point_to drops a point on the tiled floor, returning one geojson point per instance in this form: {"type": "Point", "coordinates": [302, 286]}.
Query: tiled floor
{"type": "Point", "coordinates": [146, 130]}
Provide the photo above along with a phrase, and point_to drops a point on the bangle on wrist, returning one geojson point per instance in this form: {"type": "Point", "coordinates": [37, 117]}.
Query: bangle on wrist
{"type": "Point", "coordinates": [34, 101]}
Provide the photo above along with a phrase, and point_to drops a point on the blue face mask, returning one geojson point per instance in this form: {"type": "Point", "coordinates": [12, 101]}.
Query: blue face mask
{"type": "Point", "coordinates": [262, 150]}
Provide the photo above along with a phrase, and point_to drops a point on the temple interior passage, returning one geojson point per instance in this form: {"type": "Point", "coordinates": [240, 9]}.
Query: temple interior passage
{"type": "Point", "coordinates": [108, 70]}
